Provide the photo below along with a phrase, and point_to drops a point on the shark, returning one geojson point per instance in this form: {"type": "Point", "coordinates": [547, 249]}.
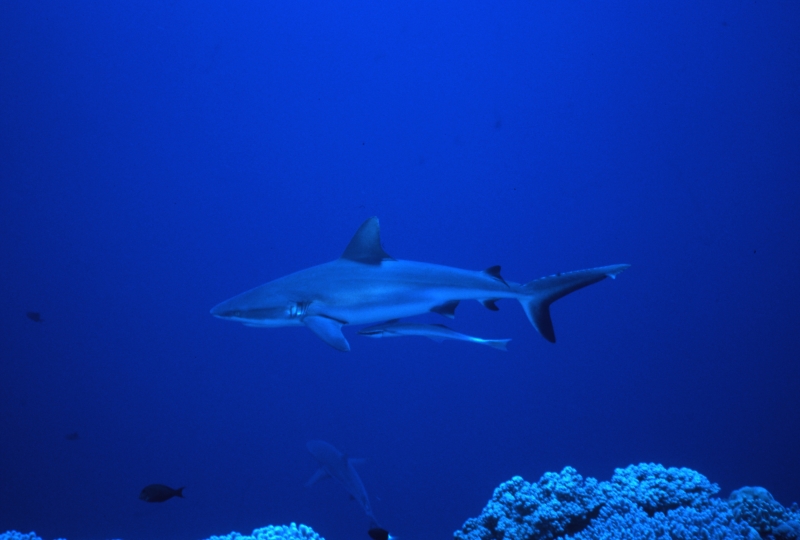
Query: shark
{"type": "Point", "coordinates": [436, 332]}
{"type": "Point", "coordinates": [366, 286]}
{"type": "Point", "coordinates": [335, 464]}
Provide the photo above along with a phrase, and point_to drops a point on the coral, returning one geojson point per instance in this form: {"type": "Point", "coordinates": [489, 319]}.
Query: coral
{"type": "Point", "coordinates": [711, 521]}
{"type": "Point", "coordinates": [788, 530]}
{"type": "Point", "coordinates": [657, 489]}
{"type": "Point", "coordinates": [274, 532]}
{"type": "Point", "coordinates": [756, 506]}
{"type": "Point", "coordinates": [271, 532]}
{"type": "Point", "coordinates": [646, 501]}
{"type": "Point", "coordinates": [14, 535]}
{"type": "Point", "coordinates": [558, 504]}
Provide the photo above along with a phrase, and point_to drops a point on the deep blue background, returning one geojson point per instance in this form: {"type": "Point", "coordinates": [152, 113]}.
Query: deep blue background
{"type": "Point", "coordinates": [159, 157]}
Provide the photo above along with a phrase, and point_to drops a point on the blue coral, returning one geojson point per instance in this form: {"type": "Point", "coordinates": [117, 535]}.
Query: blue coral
{"type": "Point", "coordinates": [756, 506]}
{"type": "Point", "coordinates": [646, 501]}
{"type": "Point", "coordinates": [558, 504]}
{"type": "Point", "coordinates": [14, 535]}
{"type": "Point", "coordinates": [274, 532]}
{"type": "Point", "coordinates": [656, 488]}
{"type": "Point", "coordinates": [271, 532]}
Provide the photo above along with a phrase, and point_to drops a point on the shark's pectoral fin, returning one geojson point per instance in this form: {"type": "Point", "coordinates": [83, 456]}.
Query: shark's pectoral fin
{"type": "Point", "coordinates": [365, 247]}
{"type": "Point", "coordinates": [319, 475]}
{"type": "Point", "coordinates": [448, 309]}
{"type": "Point", "coordinates": [328, 330]}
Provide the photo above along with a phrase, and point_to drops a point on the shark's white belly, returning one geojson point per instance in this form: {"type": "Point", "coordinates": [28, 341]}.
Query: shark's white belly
{"type": "Point", "coordinates": [378, 303]}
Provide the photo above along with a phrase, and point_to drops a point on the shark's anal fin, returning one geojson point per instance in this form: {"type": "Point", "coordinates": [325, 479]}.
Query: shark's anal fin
{"type": "Point", "coordinates": [494, 271]}
{"type": "Point", "coordinates": [365, 246]}
{"type": "Point", "coordinates": [491, 304]}
{"type": "Point", "coordinates": [448, 309]}
{"type": "Point", "coordinates": [328, 330]}
{"type": "Point", "coordinates": [319, 475]}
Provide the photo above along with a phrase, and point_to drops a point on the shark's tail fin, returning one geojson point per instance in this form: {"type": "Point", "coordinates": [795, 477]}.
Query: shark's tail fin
{"type": "Point", "coordinates": [537, 295]}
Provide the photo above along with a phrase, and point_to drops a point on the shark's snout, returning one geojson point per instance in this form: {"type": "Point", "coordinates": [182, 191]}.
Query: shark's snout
{"type": "Point", "coordinates": [223, 311]}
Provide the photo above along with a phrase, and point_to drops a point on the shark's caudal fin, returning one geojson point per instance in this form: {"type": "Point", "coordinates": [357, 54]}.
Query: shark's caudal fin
{"type": "Point", "coordinates": [537, 295]}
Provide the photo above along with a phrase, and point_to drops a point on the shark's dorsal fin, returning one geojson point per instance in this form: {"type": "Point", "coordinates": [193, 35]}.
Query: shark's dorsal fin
{"type": "Point", "coordinates": [448, 309]}
{"type": "Point", "coordinates": [365, 247]}
{"type": "Point", "coordinates": [494, 271]}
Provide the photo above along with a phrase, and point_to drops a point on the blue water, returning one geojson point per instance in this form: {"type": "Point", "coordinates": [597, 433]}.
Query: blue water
{"type": "Point", "coordinates": [158, 158]}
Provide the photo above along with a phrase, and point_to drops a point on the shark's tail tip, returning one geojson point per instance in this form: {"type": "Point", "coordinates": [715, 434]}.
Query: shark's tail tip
{"type": "Point", "coordinates": [617, 269]}
{"type": "Point", "coordinates": [499, 344]}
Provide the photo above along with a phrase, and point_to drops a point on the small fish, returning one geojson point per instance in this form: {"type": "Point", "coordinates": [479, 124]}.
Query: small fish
{"type": "Point", "coordinates": [377, 533]}
{"type": "Point", "coordinates": [72, 436]}
{"type": "Point", "coordinates": [35, 316]}
{"type": "Point", "coordinates": [159, 493]}
{"type": "Point", "coordinates": [436, 332]}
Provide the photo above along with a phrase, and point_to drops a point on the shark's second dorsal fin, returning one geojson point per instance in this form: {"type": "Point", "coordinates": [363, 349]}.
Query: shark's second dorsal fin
{"type": "Point", "coordinates": [365, 247]}
{"type": "Point", "coordinates": [494, 271]}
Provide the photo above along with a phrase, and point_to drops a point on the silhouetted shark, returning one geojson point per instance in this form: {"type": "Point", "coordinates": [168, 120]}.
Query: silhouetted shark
{"type": "Point", "coordinates": [365, 285]}
{"type": "Point", "coordinates": [334, 464]}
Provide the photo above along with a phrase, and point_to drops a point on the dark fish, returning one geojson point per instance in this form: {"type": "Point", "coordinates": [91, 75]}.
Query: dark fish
{"type": "Point", "coordinates": [159, 493]}
{"type": "Point", "coordinates": [34, 316]}
{"type": "Point", "coordinates": [72, 436]}
{"type": "Point", "coordinates": [376, 533]}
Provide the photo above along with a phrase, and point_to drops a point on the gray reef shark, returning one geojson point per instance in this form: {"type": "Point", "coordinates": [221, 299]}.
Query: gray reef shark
{"type": "Point", "coordinates": [366, 286]}
{"type": "Point", "coordinates": [436, 332]}
{"type": "Point", "coordinates": [334, 464]}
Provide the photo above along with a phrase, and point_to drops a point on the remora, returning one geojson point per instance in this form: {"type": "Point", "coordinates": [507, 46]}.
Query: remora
{"type": "Point", "coordinates": [366, 285]}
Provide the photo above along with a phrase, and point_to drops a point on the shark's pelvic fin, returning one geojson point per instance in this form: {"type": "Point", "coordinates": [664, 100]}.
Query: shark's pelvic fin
{"type": "Point", "coordinates": [542, 292]}
{"type": "Point", "coordinates": [448, 309]}
{"type": "Point", "coordinates": [328, 330]}
{"type": "Point", "coordinates": [365, 246]}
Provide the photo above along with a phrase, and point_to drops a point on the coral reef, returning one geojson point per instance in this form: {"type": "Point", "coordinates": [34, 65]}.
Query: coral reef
{"type": "Point", "coordinates": [646, 501]}
{"type": "Point", "coordinates": [274, 532]}
{"type": "Point", "coordinates": [14, 535]}
{"type": "Point", "coordinates": [271, 532]}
